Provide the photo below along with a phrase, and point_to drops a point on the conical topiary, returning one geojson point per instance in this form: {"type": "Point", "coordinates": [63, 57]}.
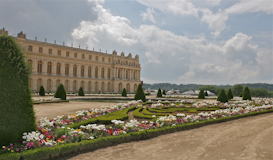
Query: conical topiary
{"type": "Point", "coordinates": [229, 94]}
{"type": "Point", "coordinates": [60, 92]}
{"type": "Point", "coordinates": [139, 95]}
{"type": "Point", "coordinates": [81, 93]}
{"type": "Point", "coordinates": [246, 94]}
{"type": "Point", "coordinates": [16, 108]}
{"type": "Point", "coordinates": [42, 91]}
{"type": "Point", "coordinates": [124, 93]}
{"type": "Point", "coordinates": [222, 97]}
{"type": "Point", "coordinates": [206, 93]}
{"type": "Point", "coordinates": [164, 92]}
{"type": "Point", "coordinates": [201, 94]}
{"type": "Point", "coordinates": [241, 94]}
{"type": "Point", "coordinates": [159, 93]}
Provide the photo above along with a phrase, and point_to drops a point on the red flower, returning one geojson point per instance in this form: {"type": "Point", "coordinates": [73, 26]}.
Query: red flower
{"type": "Point", "coordinates": [110, 131]}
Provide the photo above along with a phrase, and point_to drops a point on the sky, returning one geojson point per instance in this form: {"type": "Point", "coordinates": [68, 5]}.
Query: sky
{"type": "Point", "coordinates": [178, 41]}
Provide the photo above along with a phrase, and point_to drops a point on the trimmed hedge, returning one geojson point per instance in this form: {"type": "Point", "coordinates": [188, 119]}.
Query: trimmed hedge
{"type": "Point", "coordinates": [51, 102]}
{"type": "Point", "coordinates": [146, 112]}
{"type": "Point", "coordinates": [124, 93]}
{"type": "Point", "coordinates": [60, 92]}
{"type": "Point", "coordinates": [42, 91]}
{"type": "Point", "coordinates": [139, 95]}
{"type": "Point", "coordinates": [137, 114]}
{"type": "Point", "coordinates": [81, 93]}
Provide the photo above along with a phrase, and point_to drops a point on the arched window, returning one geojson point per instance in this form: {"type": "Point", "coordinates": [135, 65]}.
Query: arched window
{"type": "Point", "coordinates": [120, 87]}
{"type": "Point", "coordinates": [58, 82]}
{"type": "Point", "coordinates": [67, 69]}
{"type": "Point", "coordinates": [66, 85]}
{"type": "Point", "coordinates": [49, 67]}
{"type": "Point", "coordinates": [58, 71]}
{"type": "Point", "coordinates": [102, 86]}
{"type": "Point", "coordinates": [74, 86]}
{"type": "Point", "coordinates": [127, 74]}
{"type": "Point", "coordinates": [29, 61]}
{"type": "Point", "coordinates": [30, 84]}
{"type": "Point", "coordinates": [108, 87]}
{"type": "Point", "coordinates": [96, 72]}
{"type": "Point", "coordinates": [89, 86]}
{"type": "Point", "coordinates": [96, 86]}
{"type": "Point", "coordinates": [119, 73]}
{"type": "Point", "coordinates": [135, 87]}
{"type": "Point", "coordinates": [75, 70]}
{"type": "Point", "coordinates": [102, 73]}
{"type": "Point", "coordinates": [48, 85]}
{"type": "Point", "coordinates": [40, 67]}
{"type": "Point", "coordinates": [89, 71]}
{"type": "Point", "coordinates": [82, 71]}
{"type": "Point", "coordinates": [39, 83]}
{"type": "Point", "coordinates": [128, 87]}
{"type": "Point", "coordinates": [109, 73]}
{"type": "Point", "coordinates": [82, 84]}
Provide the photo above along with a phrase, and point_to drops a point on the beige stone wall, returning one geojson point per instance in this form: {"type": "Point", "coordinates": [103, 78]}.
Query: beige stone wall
{"type": "Point", "coordinates": [109, 72]}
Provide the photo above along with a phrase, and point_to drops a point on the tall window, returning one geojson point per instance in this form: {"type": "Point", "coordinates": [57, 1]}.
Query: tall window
{"type": "Point", "coordinates": [58, 71]}
{"type": "Point", "coordinates": [109, 73]}
{"type": "Point", "coordinates": [29, 61]}
{"type": "Point", "coordinates": [59, 52]}
{"type": "Point", "coordinates": [49, 67]}
{"type": "Point", "coordinates": [40, 49]}
{"type": "Point", "coordinates": [97, 58]}
{"type": "Point", "coordinates": [90, 57]}
{"type": "Point", "coordinates": [82, 84]}
{"type": "Point", "coordinates": [83, 56]}
{"type": "Point", "coordinates": [67, 69]}
{"type": "Point", "coordinates": [75, 70]}
{"type": "Point", "coordinates": [109, 60]}
{"type": "Point", "coordinates": [89, 71]}
{"type": "Point", "coordinates": [66, 85]}
{"type": "Point", "coordinates": [74, 86]}
{"type": "Point", "coordinates": [89, 86]}
{"type": "Point", "coordinates": [127, 74]}
{"type": "Point", "coordinates": [49, 51]}
{"type": "Point", "coordinates": [67, 54]}
{"type": "Point", "coordinates": [96, 72]}
{"type": "Point", "coordinates": [29, 48]}
{"type": "Point", "coordinates": [49, 85]}
{"type": "Point", "coordinates": [58, 82]}
{"type": "Point", "coordinates": [39, 83]}
{"type": "Point", "coordinates": [40, 65]}
{"type": "Point", "coordinates": [102, 59]}
{"type": "Point", "coordinates": [119, 73]}
{"type": "Point", "coordinates": [102, 73]}
{"type": "Point", "coordinates": [75, 55]}
{"type": "Point", "coordinates": [82, 71]}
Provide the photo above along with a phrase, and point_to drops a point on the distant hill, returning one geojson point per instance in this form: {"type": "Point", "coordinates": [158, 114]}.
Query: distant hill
{"type": "Point", "coordinates": [185, 87]}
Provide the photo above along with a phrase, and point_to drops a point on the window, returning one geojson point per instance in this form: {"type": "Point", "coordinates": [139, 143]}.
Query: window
{"type": "Point", "coordinates": [67, 69]}
{"type": "Point", "coordinates": [59, 52]}
{"type": "Point", "coordinates": [66, 85]}
{"type": "Point", "coordinates": [29, 48]}
{"type": "Point", "coordinates": [118, 61]}
{"type": "Point", "coordinates": [40, 49]}
{"type": "Point", "coordinates": [49, 51]}
{"type": "Point", "coordinates": [97, 58]}
{"type": "Point", "coordinates": [58, 68]}
{"type": "Point", "coordinates": [74, 86]}
{"type": "Point", "coordinates": [39, 83]}
{"type": "Point", "coordinates": [58, 82]}
{"type": "Point", "coordinates": [75, 70]}
{"type": "Point", "coordinates": [83, 56]}
{"type": "Point", "coordinates": [40, 65]}
{"type": "Point", "coordinates": [48, 85]}
{"type": "Point", "coordinates": [75, 55]}
{"type": "Point", "coordinates": [119, 73]}
{"type": "Point", "coordinates": [108, 74]}
{"type": "Point", "coordinates": [89, 71]}
{"type": "Point", "coordinates": [82, 71]}
{"type": "Point", "coordinates": [109, 60]}
{"type": "Point", "coordinates": [96, 72]}
{"type": "Point", "coordinates": [67, 54]}
{"type": "Point", "coordinates": [102, 59]}
{"type": "Point", "coordinates": [49, 67]}
{"type": "Point", "coordinates": [102, 73]}
{"type": "Point", "coordinates": [90, 57]}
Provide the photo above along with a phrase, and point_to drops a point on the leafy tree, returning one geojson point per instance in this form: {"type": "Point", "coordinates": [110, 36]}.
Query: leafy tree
{"type": "Point", "coordinates": [140, 94]}
{"type": "Point", "coordinates": [124, 92]}
{"type": "Point", "coordinates": [159, 93]}
{"type": "Point", "coordinates": [81, 93]}
{"type": "Point", "coordinates": [164, 92]}
{"type": "Point", "coordinates": [246, 94]}
{"type": "Point", "coordinates": [237, 89]}
{"type": "Point", "coordinates": [260, 92]}
{"type": "Point", "coordinates": [42, 91]}
{"type": "Point", "coordinates": [16, 107]}
{"type": "Point", "coordinates": [60, 92]}
{"type": "Point", "coordinates": [229, 94]}
{"type": "Point", "coordinates": [206, 93]}
{"type": "Point", "coordinates": [210, 88]}
{"type": "Point", "coordinates": [222, 97]}
{"type": "Point", "coordinates": [201, 94]}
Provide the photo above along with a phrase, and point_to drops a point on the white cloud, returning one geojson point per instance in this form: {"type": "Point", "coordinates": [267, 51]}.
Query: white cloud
{"type": "Point", "coordinates": [148, 15]}
{"type": "Point", "coordinates": [251, 6]}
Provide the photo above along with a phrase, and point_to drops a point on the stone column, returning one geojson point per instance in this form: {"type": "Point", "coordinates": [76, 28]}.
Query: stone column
{"type": "Point", "coordinates": [54, 68]}
{"type": "Point", "coordinates": [44, 69]}
{"type": "Point", "coordinates": [79, 70]}
{"type": "Point", "coordinates": [93, 71]}
{"type": "Point", "coordinates": [99, 72]}
{"type": "Point", "coordinates": [34, 65]}
{"type": "Point", "coordinates": [62, 68]}
{"type": "Point", "coordinates": [70, 69]}
{"type": "Point", "coordinates": [114, 72]}
{"type": "Point", "coordinates": [86, 72]}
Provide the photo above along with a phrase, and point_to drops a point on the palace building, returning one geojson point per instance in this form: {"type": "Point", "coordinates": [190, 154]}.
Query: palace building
{"type": "Point", "coordinates": [53, 64]}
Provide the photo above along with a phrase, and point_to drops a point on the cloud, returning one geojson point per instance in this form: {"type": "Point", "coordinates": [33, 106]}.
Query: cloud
{"type": "Point", "coordinates": [251, 6]}
{"type": "Point", "coordinates": [148, 15]}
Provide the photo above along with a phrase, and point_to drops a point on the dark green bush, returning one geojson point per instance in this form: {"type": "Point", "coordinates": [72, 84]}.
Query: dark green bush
{"type": "Point", "coordinates": [124, 93]}
{"type": "Point", "coordinates": [159, 93]}
{"type": "Point", "coordinates": [201, 94]}
{"type": "Point", "coordinates": [140, 94]}
{"type": "Point", "coordinates": [229, 94]}
{"type": "Point", "coordinates": [60, 92]}
{"type": "Point", "coordinates": [81, 93]}
{"type": "Point", "coordinates": [246, 94]}
{"type": "Point", "coordinates": [164, 92]}
{"type": "Point", "coordinates": [222, 97]}
{"type": "Point", "coordinates": [16, 108]}
{"type": "Point", "coordinates": [42, 91]}
{"type": "Point", "coordinates": [241, 94]}
{"type": "Point", "coordinates": [206, 93]}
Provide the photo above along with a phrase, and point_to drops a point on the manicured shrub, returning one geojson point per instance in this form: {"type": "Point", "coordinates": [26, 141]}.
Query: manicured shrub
{"type": "Point", "coordinates": [229, 94]}
{"type": "Point", "coordinates": [206, 93]}
{"type": "Point", "coordinates": [140, 94]}
{"type": "Point", "coordinates": [81, 93]}
{"type": "Point", "coordinates": [246, 94]}
{"type": "Point", "coordinates": [222, 97]}
{"type": "Point", "coordinates": [42, 91]}
{"type": "Point", "coordinates": [164, 92]}
{"type": "Point", "coordinates": [124, 93]}
{"type": "Point", "coordinates": [201, 94]}
{"type": "Point", "coordinates": [159, 93]}
{"type": "Point", "coordinates": [241, 94]}
{"type": "Point", "coordinates": [60, 92]}
{"type": "Point", "coordinates": [16, 108]}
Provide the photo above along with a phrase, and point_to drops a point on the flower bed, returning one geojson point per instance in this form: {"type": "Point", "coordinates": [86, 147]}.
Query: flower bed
{"type": "Point", "coordinates": [47, 100]}
{"type": "Point", "coordinates": [55, 137]}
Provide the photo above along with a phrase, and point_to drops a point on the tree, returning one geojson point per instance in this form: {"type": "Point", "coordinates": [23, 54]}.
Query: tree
{"type": "Point", "coordinates": [241, 94]}
{"type": "Point", "coordinates": [201, 94]}
{"type": "Point", "coordinates": [210, 88]}
{"type": "Point", "coordinates": [246, 94]}
{"type": "Point", "coordinates": [42, 91]}
{"type": "Point", "coordinates": [206, 93]}
{"type": "Point", "coordinates": [229, 94]}
{"type": "Point", "coordinates": [159, 93]}
{"type": "Point", "coordinates": [124, 93]}
{"type": "Point", "coordinates": [139, 95]}
{"type": "Point", "coordinates": [81, 93]}
{"type": "Point", "coordinates": [60, 92]}
{"type": "Point", "coordinates": [16, 107]}
{"type": "Point", "coordinates": [164, 92]}
{"type": "Point", "coordinates": [237, 89]}
{"type": "Point", "coordinates": [222, 97]}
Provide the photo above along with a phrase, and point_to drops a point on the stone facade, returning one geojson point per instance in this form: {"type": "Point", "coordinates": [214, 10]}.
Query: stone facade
{"type": "Point", "coordinates": [53, 64]}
